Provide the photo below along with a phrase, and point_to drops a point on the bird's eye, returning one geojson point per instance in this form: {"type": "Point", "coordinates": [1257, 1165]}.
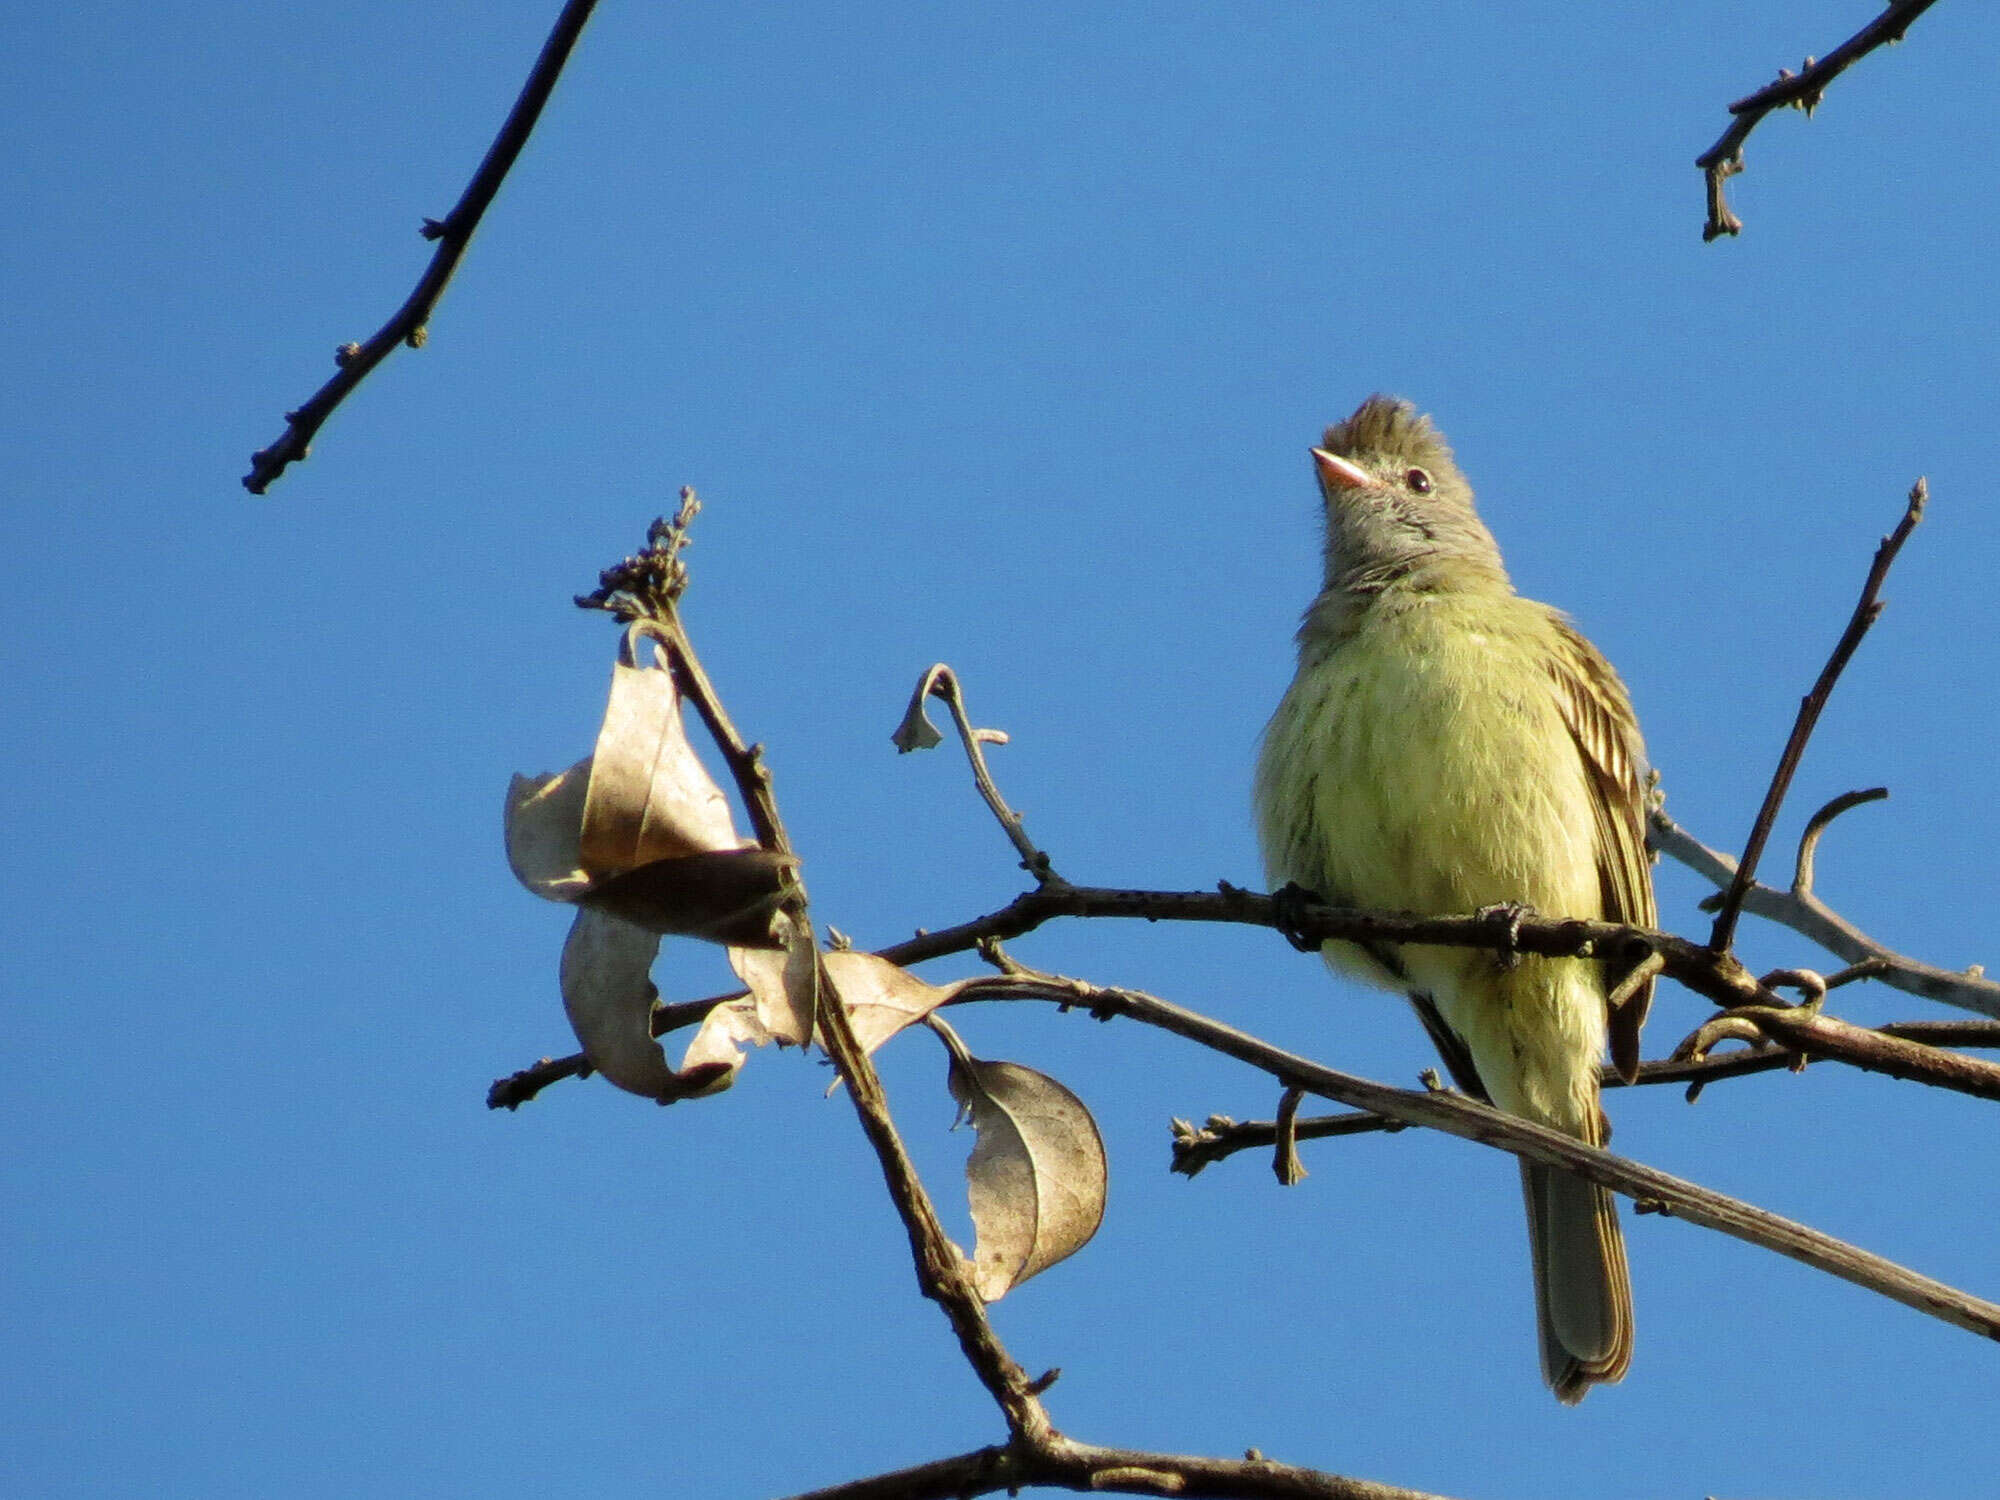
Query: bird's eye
{"type": "Point", "coordinates": [1419, 481]}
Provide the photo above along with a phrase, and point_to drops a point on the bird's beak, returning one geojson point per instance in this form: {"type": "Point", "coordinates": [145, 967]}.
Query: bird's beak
{"type": "Point", "coordinates": [1336, 473]}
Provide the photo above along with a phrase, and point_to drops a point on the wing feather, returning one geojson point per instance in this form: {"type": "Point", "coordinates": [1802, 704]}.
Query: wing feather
{"type": "Point", "coordinates": [1599, 715]}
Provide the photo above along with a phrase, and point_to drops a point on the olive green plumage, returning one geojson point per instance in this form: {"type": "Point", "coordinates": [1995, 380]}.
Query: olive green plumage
{"type": "Point", "coordinates": [1445, 746]}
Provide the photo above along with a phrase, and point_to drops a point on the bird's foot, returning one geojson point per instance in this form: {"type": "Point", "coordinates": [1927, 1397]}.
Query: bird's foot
{"type": "Point", "coordinates": [1508, 915]}
{"type": "Point", "coordinates": [1288, 904]}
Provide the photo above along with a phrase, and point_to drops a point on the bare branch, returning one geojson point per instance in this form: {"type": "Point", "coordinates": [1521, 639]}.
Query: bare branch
{"type": "Point", "coordinates": [1866, 611]}
{"type": "Point", "coordinates": [1064, 1463]}
{"type": "Point", "coordinates": [1456, 1114]}
{"type": "Point", "coordinates": [1800, 1030]}
{"type": "Point", "coordinates": [1725, 158]}
{"type": "Point", "coordinates": [452, 233]}
{"type": "Point", "coordinates": [1716, 976]}
{"type": "Point", "coordinates": [1805, 913]}
{"type": "Point", "coordinates": [1219, 1137]}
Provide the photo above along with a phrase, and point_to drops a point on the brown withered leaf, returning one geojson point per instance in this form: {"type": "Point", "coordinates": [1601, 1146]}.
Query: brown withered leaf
{"type": "Point", "coordinates": [639, 828]}
{"type": "Point", "coordinates": [1036, 1177]}
{"type": "Point", "coordinates": [650, 797]}
{"type": "Point", "coordinates": [724, 895]}
{"type": "Point", "coordinates": [718, 1045]}
{"type": "Point", "coordinates": [544, 820]}
{"type": "Point", "coordinates": [882, 998]}
{"type": "Point", "coordinates": [783, 983]}
{"type": "Point", "coordinates": [917, 732]}
{"type": "Point", "coordinates": [609, 996]}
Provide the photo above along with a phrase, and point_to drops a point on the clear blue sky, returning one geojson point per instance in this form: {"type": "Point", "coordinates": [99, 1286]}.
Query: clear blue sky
{"type": "Point", "coordinates": [996, 339]}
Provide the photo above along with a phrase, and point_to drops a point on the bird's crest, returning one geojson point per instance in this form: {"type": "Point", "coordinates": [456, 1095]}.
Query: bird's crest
{"type": "Point", "coordinates": [1383, 427]}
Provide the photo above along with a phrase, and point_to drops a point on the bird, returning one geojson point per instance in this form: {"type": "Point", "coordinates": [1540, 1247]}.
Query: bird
{"type": "Point", "coordinates": [1448, 746]}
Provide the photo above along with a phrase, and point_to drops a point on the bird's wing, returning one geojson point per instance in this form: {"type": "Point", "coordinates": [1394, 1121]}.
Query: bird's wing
{"type": "Point", "coordinates": [1606, 732]}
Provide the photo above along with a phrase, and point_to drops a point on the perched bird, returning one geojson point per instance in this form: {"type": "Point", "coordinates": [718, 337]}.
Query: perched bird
{"type": "Point", "coordinates": [1449, 746]}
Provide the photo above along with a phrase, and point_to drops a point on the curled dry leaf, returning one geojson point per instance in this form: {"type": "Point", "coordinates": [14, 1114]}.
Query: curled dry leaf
{"type": "Point", "coordinates": [544, 828]}
{"type": "Point", "coordinates": [917, 732]}
{"type": "Point", "coordinates": [609, 997]}
{"type": "Point", "coordinates": [640, 829]}
{"type": "Point", "coordinates": [717, 1048]}
{"type": "Point", "coordinates": [1036, 1177]}
{"type": "Point", "coordinates": [724, 895]}
{"type": "Point", "coordinates": [882, 998]}
{"type": "Point", "coordinates": [783, 983]}
{"type": "Point", "coordinates": [650, 797]}
{"type": "Point", "coordinates": [640, 836]}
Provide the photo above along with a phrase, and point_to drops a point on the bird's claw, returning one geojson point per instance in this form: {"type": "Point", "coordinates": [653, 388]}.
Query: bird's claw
{"type": "Point", "coordinates": [1288, 904]}
{"type": "Point", "coordinates": [1510, 915]}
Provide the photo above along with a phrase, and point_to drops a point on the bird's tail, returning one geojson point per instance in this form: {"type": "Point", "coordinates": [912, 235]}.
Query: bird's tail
{"type": "Point", "coordinates": [1583, 1295]}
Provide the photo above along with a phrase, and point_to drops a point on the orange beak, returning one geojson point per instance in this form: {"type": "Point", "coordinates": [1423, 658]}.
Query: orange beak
{"type": "Point", "coordinates": [1336, 473]}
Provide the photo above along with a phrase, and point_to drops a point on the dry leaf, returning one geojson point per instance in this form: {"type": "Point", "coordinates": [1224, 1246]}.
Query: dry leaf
{"type": "Point", "coordinates": [640, 829]}
{"type": "Point", "coordinates": [783, 983]}
{"type": "Point", "coordinates": [650, 797]}
{"type": "Point", "coordinates": [609, 997]}
{"type": "Point", "coordinates": [640, 836]}
{"type": "Point", "coordinates": [717, 1048]}
{"type": "Point", "coordinates": [610, 1000]}
{"type": "Point", "coordinates": [544, 825]}
{"type": "Point", "coordinates": [1037, 1174]}
{"type": "Point", "coordinates": [724, 895]}
{"type": "Point", "coordinates": [917, 732]}
{"type": "Point", "coordinates": [882, 998]}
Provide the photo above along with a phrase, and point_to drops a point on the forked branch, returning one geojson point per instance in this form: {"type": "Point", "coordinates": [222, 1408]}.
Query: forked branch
{"type": "Point", "coordinates": [1468, 1119]}
{"type": "Point", "coordinates": [1802, 89]}
{"type": "Point", "coordinates": [1804, 912]}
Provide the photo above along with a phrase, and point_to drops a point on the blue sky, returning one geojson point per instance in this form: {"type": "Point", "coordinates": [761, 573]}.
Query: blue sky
{"type": "Point", "coordinates": [991, 339]}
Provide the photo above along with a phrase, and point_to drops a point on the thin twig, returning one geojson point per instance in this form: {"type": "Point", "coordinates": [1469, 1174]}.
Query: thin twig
{"type": "Point", "coordinates": [452, 233]}
{"type": "Point", "coordinates": [1285, 1163]}
{"type": "Point", "coordinates": [1702, 969]}
{"type": "Point", "coordinates": [1063, 1463]}
{"type": "Point", "coordinates": [916, 732]}
{"type": "Point", "coordinates": [1725, 158]}
{"type": "Point", "coordinates": [1219, 1137]}
{"type": "Point", "coordinates": [1802, 869]}
{"type": "Point", "coordinates": [1866, 612]}
{"type": "Point", "coordinates": [1456, 1114]}
{"type": "Point", "coordinates": [1808, 915]}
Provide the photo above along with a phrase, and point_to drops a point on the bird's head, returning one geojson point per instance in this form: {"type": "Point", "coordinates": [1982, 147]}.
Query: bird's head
{"type": "Point", "coordinates": [1396, 503]}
